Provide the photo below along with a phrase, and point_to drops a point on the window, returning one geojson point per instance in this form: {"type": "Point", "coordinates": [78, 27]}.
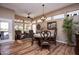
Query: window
{"type": "Point", "coordinates": [16, 26]}
{"type": "Point", "coordinates": [39, 21]}
{"type": "Point", "coordinates": [61, 16]}
{"type": "Point", "coordinates": [73, 12]}
{"type": "Point", "coordinates": [27, 27]}
{"type": "Point", "coordinates": [34, 22]}
{"type": "Point", "coordinates": [34, 28]}
{"type": "Point", "coordinates": [26, 21]}
{"type": "Point", "coordinates": [23, 26]}
{"type": "Point", "coordinates": [17, 20]}
{"type": "Point", "coordinates": [48, 18]}
{"type": "Point", "coordinates": [19, 26]}
{"type": "Point", "coordinates": [4, 26]}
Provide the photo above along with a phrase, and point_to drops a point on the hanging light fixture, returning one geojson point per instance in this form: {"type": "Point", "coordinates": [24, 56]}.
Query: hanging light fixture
{"type": "Point", "coordinates": [43, 18]}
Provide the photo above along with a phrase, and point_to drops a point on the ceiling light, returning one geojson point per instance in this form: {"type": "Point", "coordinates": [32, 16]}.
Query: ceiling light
{"type": "Point", "coordinates": [43, 18]}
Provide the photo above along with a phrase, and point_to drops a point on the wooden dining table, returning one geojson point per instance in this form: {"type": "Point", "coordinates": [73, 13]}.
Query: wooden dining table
{"type": "Point", "coordinates": [37, 36]}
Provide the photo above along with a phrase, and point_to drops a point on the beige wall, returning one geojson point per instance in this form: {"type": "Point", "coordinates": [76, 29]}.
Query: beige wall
{"type": "Point", "coordinates": [7, 14]}
{"type": "Point", "coordinates": [61, 35]}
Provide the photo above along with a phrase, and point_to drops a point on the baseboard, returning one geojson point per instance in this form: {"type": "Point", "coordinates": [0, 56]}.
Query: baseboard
{"type": "Point", "coordinates": [61, 41]}
{"type": "Point", "coordinates": [11, 41]}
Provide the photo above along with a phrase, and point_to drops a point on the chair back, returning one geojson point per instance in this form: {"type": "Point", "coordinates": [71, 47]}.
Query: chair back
{"type": "Point", "coordinates": [31, 33]}
{"type": "Point", "coordinates": [45, 35]}
{"type": "Point", "coordinates": [17, 34]}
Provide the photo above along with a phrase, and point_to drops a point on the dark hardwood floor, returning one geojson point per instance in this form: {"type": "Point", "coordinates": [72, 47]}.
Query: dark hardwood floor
{"type": "Point", "coordinates": [25, 48]}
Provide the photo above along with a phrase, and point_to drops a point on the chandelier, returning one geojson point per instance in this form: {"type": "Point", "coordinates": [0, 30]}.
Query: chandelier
{"type": "Point", "coordinates": [43, 18]}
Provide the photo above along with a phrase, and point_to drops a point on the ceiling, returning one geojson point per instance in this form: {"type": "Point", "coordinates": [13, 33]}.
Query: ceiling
{"type": "Point", "coordinates": [35, 8]}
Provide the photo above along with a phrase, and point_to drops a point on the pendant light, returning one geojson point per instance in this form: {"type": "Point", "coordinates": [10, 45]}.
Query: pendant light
{"type": "Point", "coordinates": [43, 18]}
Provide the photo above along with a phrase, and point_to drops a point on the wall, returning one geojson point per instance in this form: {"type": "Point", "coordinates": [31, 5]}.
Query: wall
{"type": "Point", "coordinates": [75, 27]}
{"type": "Point", "coordinates": [6, 15]}
{"type": "Point", "coordinates": [61, 35]}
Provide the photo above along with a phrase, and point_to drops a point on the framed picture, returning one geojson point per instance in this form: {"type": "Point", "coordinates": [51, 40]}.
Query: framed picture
{"type": "Point", "coordinates": [51, 25]}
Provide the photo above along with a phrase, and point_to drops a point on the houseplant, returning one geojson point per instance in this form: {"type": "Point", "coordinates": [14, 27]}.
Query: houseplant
{"type": "Point", "coordinates": [67, 25]}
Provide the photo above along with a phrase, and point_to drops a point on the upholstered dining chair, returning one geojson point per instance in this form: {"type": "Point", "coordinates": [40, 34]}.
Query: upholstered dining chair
{"type": "Point", "coordinates": [17, 34]}
{"type": "Point", "coordinates": [31, 35]}
{"type": "Point", "coordinates": [44, 41]}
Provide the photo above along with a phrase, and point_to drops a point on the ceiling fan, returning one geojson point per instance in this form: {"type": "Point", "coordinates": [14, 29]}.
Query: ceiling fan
{"type": "Point", "coordinates": [29, 16]}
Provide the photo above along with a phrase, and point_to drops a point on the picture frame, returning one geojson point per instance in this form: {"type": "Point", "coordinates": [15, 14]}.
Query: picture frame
{"type": "Point", "coordinates": [51, 25]}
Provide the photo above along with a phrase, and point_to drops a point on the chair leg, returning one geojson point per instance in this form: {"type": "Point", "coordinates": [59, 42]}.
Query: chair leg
{"type": "Point", "coordinates": [41, 48]}
{"type": "Point", "coordinates": [48, 48]}
{"type": "Point", "coordinates": [55, 42]}
{"type": "Point", "coordinates": [32, 41]}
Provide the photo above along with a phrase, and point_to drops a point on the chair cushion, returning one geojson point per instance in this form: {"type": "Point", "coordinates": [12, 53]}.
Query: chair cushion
{"type": "Point", "coordinates": [45, 43]}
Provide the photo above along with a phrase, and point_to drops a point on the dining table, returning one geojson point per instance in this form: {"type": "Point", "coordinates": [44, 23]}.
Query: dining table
{"type": "Point", "coordinates": [37, 37]}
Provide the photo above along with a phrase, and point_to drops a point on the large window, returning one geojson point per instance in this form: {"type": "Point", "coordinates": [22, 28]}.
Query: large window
{"type": "Point", "coordinates": [61, 16]}
{"type": "Point", "coordinates": [73, 13]}
{"type": "Point", "coordinates": [27, 21]}
{"type": "Point", "coordinates": [18, 20]}
{"type": "Point", "coordinates": [34, 28]}
{"type": "Point", "coordinates": [38, 21]}
{"type": "Point", "coordinates": [27, 27]}
{"type": "Point", "coordinates": [49, 19]}
{"type": "Point", "coordinates": [4, 30]}
{"type": "Point", "coordinates": [33, 22]}
{"type": "Point", "coordinates": [4, 26]}
{"type": "Point", "coordinates": [19, 26]}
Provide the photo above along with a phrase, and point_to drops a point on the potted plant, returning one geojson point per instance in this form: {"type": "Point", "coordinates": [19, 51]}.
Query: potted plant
{"type": "Point", "coordinates": [68, 29]}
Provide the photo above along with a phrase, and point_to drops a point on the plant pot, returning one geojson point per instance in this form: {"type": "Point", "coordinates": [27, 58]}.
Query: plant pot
{"type": "Point", "coordinates": [70, 44]}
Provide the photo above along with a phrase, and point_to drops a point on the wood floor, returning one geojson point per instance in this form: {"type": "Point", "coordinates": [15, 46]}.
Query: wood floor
{"type": "Point", "coordinates": [25, 48]}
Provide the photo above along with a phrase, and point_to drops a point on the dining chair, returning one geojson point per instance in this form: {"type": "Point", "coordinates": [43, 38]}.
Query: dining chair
{"type": "Point", "coordinates": [17, 34]}
{"type": "Point", "coordinates": [44, 42]}
{"type": "Point", "coordinates": [31, 35]}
